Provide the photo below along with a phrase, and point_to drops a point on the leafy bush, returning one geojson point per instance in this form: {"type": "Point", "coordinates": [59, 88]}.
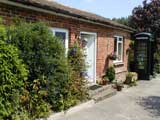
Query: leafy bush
{"type": "Point", "coordinates": [38, 47]}
{"type": "Point", "coordinates": [110, 73]}
{"type": "Point", "coordinates": [131, 79]}
{"type": "Point", "coordinates": [157, 62]}
{"type": "Point", "coordinates": [48, 66]}
{"type": "Point", "coordinates": [78, 72]}
{"type": "Point", "coordinates": [34, 100]}
{"type": "Point", "coordinates": [40, 51]}
{"type": "Point", "coordinates": [54, 81]}
{"type": "Point", "coordinates": [59, 84]}
{"type": "Point", "coordinates": [130, 53]}
{"type": "Point", "coordinates": [13, 74]}
{"type": "Point", "coordinates": [2, 31]}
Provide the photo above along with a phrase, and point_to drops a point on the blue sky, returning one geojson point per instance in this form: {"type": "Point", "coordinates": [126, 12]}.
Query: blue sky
{"type": "Point", "coordinates": [106, 8]}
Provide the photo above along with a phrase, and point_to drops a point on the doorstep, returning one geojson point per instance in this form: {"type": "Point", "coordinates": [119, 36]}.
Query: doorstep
{"type": "Point", "coordinates": [102, 92]}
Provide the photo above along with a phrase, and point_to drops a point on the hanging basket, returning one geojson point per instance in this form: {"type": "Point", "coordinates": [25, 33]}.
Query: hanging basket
{"type": "Point", "coordinates": [113, 56]}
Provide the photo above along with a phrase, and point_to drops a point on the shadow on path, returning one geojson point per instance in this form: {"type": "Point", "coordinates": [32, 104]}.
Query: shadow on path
{"type": "Point", "coordinates": [151, 104]}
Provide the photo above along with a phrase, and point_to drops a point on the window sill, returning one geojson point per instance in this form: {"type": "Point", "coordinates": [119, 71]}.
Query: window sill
{"type": "Point", "coordinates": [118, 63]}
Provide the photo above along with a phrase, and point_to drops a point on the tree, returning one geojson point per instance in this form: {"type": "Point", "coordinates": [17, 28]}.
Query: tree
{"type": "Point", "coordinates": [123, 20]}
{"type": "Point", "coordinates": [147, 17]}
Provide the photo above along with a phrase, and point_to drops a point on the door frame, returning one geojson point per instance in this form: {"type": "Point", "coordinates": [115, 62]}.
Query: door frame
{"type": "Point", "coordinates": [95, 53]}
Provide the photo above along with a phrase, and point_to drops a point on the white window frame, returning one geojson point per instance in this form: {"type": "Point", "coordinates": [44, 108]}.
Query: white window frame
{"type": "Point", "coordinates": [54, 30]}
{"type": "Point", "coordinates": [122, 51]}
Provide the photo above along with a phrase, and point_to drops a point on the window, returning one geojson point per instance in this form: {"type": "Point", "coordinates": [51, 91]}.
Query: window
{"type": "Point", "coordinates": [62, 34]}
{"type": "Point", "coordinates": [118, 48]}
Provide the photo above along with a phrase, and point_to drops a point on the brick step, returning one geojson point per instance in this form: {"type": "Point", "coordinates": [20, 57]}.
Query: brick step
{"type": "Point", "coordinates": [102, 92]}
{"type": "Point", "coordinates": [104, 95]}
{"type": "Point", "coordinates": [99, 89]}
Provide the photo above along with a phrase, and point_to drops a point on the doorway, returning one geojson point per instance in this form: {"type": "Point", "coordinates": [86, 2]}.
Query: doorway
{"type": "Point", "coordinates": [90, 52]}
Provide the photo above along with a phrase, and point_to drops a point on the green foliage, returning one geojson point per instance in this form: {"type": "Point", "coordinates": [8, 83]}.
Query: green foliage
{"type": "Point", "coordinates": [157, 62]}
{"type": "Point", "coordinates": [39, 49]}
{"type": "Point", "coordinates": [41, 52]}
{"type": "Point", "coordinates": [55, 81]}
{"type": "Point", "coordinates": [2, 30]}
{"type": "Point", "coordinates": [78, 72]}
{"type": "Point", "coordinates": [13, 74]}
{"type": "Point", "coordinates": [123, 20]}
{"type": "Point", "coordinates": [130, 53]}
{"type": "Point", "coordinates": [110, 73]}
{"type": "Point", "coordinates": [59, 84]}
{"type": "Point", "coordinates": [146, 17]}
{"type": "Point", "coordinates": [131, 79]}
{"type": "Point", "coordinates": [34, 100]}
{"type": "Point", "coordinates": [48, 67]}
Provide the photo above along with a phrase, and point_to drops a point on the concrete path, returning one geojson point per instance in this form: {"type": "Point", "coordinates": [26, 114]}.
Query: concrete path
{"type": "Point", "coordinates": [137, 103]}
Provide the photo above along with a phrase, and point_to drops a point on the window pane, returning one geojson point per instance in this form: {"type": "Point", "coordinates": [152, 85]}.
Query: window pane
{"type": "Point", "coordinates": [120, 39]}
{"type": "Point", "coordinates": [61, 35]}
{"type": "Point", "coordinates": [115, 45]}
{"type": "Point", "coordinates": [119, 51]}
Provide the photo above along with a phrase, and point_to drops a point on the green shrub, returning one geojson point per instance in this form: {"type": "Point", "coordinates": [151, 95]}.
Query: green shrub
{"type": "Point", "coordinates": [130, 52]}
{"type": "Point", "coordinates": [110, 73]}
{"type": "Point", "coordinates": [45, 56]}
{"type": "Point", "coordinates": [35, 100]}
{"type": "Point", "coordinates": [78, 72]}
{"type": "Point", "coordinates": [2, 30]}
{"type": "Point", "coordinates": [157, 62]}
{"type": "Point", "coordinates": [13, 74]}
{"type": "Point", "coordinates": [55, 81]}
{"type": "Point", "coordinates": [59, 84]}
{"type": "Point", "coordinates": [131, 79]}
{"type": "Point", "coordinates": [39, 49]}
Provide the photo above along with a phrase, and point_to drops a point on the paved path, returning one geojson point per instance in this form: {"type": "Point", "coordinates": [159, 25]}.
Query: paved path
{"type": "Point", "coordinates": [137, 103]}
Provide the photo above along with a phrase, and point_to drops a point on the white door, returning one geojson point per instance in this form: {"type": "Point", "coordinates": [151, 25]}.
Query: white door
{"type": "Point", "coordinates": [90, 50]}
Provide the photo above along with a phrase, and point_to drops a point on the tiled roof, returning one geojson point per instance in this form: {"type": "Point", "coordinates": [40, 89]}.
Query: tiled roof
{"type": "Point", "coordinates": [59, 8]}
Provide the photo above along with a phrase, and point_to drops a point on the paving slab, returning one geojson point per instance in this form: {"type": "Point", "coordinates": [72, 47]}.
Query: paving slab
{"type": "Point", "coordinates": [137, 103]}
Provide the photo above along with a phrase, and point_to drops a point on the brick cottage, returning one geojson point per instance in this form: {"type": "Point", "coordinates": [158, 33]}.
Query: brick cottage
{"type": "Point", "coordinates": [103, 36]}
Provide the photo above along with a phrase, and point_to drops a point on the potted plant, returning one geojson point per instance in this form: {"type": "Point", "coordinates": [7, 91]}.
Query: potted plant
{"type": "Point", "coordinates": [103, 81]}
{"type": "Point", "coordinates": [131, 79]}
{"type": "Point", "coordinates": [110, 73]}
{"type": "Point", "coordinates": [118, 86]}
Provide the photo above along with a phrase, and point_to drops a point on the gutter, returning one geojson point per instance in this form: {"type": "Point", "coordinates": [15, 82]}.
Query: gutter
{"type": "Point", "coordinates": [61, 14]}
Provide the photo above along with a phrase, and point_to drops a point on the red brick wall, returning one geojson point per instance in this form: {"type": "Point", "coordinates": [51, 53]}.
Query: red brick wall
{"type": "Point", "coordinates": [105, 40]}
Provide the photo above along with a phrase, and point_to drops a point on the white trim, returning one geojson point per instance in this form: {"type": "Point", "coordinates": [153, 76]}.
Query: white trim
{"type": "Point", "coordinates": [95, 52]}
{"type": "Point", "coordinates": [122, 51]}
{"type": "Point", "coordinates": [67, 35]}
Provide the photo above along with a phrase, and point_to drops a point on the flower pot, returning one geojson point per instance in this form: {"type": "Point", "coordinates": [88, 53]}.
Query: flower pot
{"type": "Point", "coordinates": [104, 82]}
{"type": "Point", "coordinates": [119, 88]}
